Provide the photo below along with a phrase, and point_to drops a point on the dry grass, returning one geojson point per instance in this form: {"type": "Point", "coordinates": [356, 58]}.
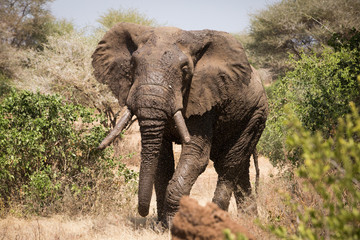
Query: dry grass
{"type": "Point", "coordinates": [126, 224]}
{"type": "Point", "coordinates": [63, 67]}
{"type": "Point", "coordinates": [113, 226]}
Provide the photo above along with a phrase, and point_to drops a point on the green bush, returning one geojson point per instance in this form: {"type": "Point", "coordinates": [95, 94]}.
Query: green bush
{"type": "Point", "coordinates": [48, 152]}
{"type": "Point", "coordinates": [272, 142]}
{"type": "Point", "coordinates": [331, 172]}
{"type": "Point", "coordinates": [321, 87]}
{"type": "Point", "coordinates": [4, 84]}
{"type": "Point", "coordinates": [319, 90]}
{"type": "Point", "coordinates": [231, 236]}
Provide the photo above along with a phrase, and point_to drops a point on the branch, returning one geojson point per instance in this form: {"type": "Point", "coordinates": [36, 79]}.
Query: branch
{"type": "Point", "coordinates": [341, 170]}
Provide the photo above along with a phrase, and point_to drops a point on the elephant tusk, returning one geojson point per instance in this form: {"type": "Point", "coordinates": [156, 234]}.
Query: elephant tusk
{"type": "Point", "coordinates": [180, 124]}
{"type": "Point", "coordinates": [121, 124]}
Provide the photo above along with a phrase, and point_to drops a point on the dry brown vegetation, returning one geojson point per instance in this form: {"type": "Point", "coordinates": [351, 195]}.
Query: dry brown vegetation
{"type": "Point", "coordinates": [127, 224]}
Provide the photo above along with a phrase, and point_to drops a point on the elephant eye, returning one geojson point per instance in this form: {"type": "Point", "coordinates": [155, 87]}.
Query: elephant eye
{"type": "Point", "coordinates": [133, 62]}
{"type": "Point", "coordinates": [185, 69]}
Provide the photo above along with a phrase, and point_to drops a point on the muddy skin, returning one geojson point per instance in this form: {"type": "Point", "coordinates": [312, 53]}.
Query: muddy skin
{"type": "Point", "coordinates": [203, 78]}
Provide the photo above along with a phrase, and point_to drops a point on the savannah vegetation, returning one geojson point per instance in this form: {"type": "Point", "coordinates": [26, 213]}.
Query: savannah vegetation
{"type": "Point", "coordinates": [53, 113]}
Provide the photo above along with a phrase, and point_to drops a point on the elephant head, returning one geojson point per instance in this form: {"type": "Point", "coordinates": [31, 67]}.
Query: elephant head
{"type": "Point", "coordinates": [164, 76]}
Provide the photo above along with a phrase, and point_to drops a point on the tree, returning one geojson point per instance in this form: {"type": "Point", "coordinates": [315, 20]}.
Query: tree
{"type": "Point", "coordinates": [25, 22]}
{"type": "Point", "coordinates": [297, 26]}
{"type": "Point", "coordinates": [113, 16]}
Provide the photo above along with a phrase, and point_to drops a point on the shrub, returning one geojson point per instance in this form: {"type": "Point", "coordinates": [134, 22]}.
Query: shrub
{"type": "Point", "coordinates": [113, 16]}
{"type": "Point", "coordinates": [64, 67]}
{"type": "Point", "coordinates": [4, 84]}
{"type": "Point", "coordinates": [272, 142]}
{"type": "Point", "coordinates": [331, 173]}
{"type": "Point", "coordinates": [319, 90]}
{"type": "Point", "coordinates": [48, 155]}
{"type": "Point", "coordinates": [231, 236]}
{"type": "Point", "coordinates": [9, 62]}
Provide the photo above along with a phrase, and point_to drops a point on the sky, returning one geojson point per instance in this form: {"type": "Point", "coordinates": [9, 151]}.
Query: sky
{"type": "Point", "coordinates": [223, 15]}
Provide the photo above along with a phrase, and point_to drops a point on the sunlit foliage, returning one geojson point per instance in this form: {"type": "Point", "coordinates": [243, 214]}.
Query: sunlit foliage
{"type": "Point", "coordinates": [113, 16]}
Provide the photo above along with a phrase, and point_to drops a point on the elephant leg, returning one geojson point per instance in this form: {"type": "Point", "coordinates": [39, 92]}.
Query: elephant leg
{"type": "Point", "coordinates": [233, 164]}
{"type": "Point", "coordinates": [243, 188]}
{"type": "Point", "coordinates": [193, 161]}
{"type": "Point", "coordinates": [223, 192]}
{"type": "Point", "coordinates": [164, 173]}
{"type": "Point", "coordinates": [233, 177]}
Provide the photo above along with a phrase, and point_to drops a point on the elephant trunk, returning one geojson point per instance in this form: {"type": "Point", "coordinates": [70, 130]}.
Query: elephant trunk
{"type": "Point", "coordinates": [151, 140]}
{"type": "Point", "coordinates": [152, 105]}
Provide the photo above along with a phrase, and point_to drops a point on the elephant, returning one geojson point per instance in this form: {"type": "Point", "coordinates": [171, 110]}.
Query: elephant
{"type": "Point", "coordinates": [194, 88]}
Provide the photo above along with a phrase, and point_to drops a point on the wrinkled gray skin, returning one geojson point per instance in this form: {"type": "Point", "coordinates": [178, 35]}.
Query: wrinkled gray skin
{"type": "Point", "coordinates": [205, 75]}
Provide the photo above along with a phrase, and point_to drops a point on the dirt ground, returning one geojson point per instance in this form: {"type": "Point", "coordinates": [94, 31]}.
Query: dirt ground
{"type": "Point", "coordinates": [119, 225]}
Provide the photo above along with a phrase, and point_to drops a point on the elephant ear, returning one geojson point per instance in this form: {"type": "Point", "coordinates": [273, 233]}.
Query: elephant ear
{"type": "Point", "coordinates": [111, 59]}
{"type": "Point", "coordinates": [221, 71]}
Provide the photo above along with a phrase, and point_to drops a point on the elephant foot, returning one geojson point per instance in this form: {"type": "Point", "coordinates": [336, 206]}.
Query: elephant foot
{"type": "Point", "coordinates": [164, 224]}
{"type": "Point", "coordinates": [158, 227]}
{"type": "Point", "coordinates": [247, 206]}
{"type": "Point", "coordinates": [166, 221]}
{"type": "Point", "coordinates": [165, 218]}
